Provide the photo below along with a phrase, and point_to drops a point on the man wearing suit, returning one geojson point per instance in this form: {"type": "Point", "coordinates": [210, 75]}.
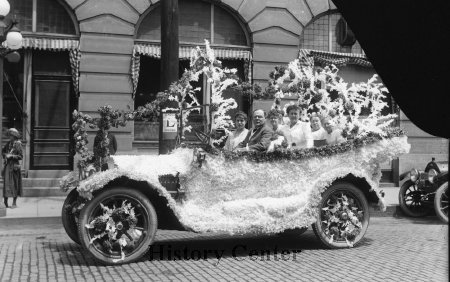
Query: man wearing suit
{"type": "Point", "coordinates": [258, 138]}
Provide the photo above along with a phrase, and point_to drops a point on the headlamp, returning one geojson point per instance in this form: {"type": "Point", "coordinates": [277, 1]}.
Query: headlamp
{"type": "Point", "coordinates": [414, 175]}
{"type": "Point", "coordinates": [431, 174]}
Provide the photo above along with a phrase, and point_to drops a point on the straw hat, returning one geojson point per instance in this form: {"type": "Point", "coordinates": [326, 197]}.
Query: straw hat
{"type": "Point", "coordinates": [13, 132]}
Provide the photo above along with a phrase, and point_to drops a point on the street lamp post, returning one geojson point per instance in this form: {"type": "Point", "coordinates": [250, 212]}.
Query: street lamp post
{"type": "Point", "coordinates": [13, 42]}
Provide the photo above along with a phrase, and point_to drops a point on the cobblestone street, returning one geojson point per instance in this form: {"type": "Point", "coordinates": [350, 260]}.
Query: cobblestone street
{"type": "Point", "coordinates": [393, 250]}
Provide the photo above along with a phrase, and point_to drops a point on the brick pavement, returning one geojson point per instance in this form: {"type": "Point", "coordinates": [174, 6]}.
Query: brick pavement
{"type": "Point", "coordinates": [393, 250]}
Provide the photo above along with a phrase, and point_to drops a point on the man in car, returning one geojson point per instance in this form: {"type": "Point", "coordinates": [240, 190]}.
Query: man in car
{"type": "Point", "coordinates": [258, 138]}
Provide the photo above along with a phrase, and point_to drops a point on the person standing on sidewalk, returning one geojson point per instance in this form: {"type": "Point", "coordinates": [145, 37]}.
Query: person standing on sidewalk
{"type": "Point", "coordinates": [12, 175]}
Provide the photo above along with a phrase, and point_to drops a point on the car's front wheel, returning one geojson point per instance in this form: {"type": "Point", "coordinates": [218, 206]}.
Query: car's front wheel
{"type": "Point", "coordinates": [343, 216]}
{"type": "Point", "coordinates": [117, 226]}
{"type": "Point", "coordinates": [69, 218]}
{"type": "Point", "coordinates": [441, 202]}
{"type": "Point", "coordinates": [410, 200]}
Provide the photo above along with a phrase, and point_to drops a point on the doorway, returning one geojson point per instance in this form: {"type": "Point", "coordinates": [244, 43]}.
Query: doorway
{"type": "Point", "coordinates": [52, 104]}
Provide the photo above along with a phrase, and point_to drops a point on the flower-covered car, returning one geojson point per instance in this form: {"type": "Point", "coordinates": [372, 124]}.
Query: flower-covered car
{"type": "Point", "coordinates": [329, 187]}
{"type": "Point", "coordinates": [115, 214]}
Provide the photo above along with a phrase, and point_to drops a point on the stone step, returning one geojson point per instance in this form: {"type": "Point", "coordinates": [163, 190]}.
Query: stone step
{"type": "Point", "coordinates": [43, 192]}
{"type": "Point", "coordinates": [40, 182]}
{"type": "Point", "coordinates": [46, 173]}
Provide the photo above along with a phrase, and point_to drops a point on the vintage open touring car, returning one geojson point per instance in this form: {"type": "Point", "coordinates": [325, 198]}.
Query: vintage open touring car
{"type": "Point", "coordinates": [114, 214]}
{"type": "Point", "coordinates": [426, 190]}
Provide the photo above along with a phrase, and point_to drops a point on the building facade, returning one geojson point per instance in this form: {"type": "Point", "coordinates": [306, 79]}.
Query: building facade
{"type": "Point", "coordinates": [83, 54]}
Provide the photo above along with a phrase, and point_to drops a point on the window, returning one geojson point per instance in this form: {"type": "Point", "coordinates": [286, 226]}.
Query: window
{"type": "Point", "coordinates": [44, 16]}
{"type": "Point", "coordinates": [321, 35]}
{"type": "Point", "coordinates": [22, 11]}
{"type": "Point", "coordinates": [13, 94]}
{"type": "Point", "coordinates": [198, 20]}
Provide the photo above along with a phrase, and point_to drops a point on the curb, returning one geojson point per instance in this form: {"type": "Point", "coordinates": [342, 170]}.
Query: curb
{"type": "Point", "coordinates": [391, 211]}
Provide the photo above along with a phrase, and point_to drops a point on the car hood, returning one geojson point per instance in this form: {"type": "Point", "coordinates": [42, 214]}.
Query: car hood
{"type": "Point", "coordinates": [177, 162]}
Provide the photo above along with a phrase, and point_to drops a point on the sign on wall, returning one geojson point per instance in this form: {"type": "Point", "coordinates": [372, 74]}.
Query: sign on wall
{"type": "Point", "coordinates": [170, 126]}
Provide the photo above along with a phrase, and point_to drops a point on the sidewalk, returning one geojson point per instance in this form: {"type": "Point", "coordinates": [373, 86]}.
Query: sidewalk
{"type": "Point", "coordinates": [36, 207]}
{"type": "Point", "coordinates": [51, 206]}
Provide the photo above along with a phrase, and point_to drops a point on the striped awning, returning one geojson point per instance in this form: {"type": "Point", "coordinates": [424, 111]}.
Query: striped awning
{"type": "Point", "coordinates": [58, 44]}
{"type": "Point", "coordinates": [55, 44]}
{"type": "Point", "coordinates": [316, 57]}
{"type": "Point", "coordinates": [154, 51]}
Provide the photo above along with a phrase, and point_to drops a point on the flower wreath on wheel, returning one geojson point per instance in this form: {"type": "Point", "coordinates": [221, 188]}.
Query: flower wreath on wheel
{"type": "Point", "coordinates": [342, 219]}
{"type": "Point", "coordinates": [113, 224]}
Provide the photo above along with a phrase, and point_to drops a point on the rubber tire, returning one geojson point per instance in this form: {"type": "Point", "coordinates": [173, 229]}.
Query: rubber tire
{"type": "Point", "coordinates": [403, 206]}
{"type": "Point", "coordinates": [68, 220]}
{"type": "Point", "coordinates": [437, 202]}
{"type": "Point", "coordinates": [317, 228]}
{"type": "Point", "coordinates": [89, 207]}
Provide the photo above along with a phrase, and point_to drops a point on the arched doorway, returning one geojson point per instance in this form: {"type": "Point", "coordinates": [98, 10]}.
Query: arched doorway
{"type": "Point", "coordinates": [41, 89]}
{"type": "Point", "coordinates": [198, 20]}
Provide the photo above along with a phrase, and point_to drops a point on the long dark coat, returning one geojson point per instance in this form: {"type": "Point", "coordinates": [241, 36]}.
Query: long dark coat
{"type": "Point", "coordinates": [12, 170]}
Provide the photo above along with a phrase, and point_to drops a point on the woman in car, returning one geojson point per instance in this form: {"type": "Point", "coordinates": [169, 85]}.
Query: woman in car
{"type": "Point", "coordinates": [236, 137]}
{"type": "Point", "coordinates": [317, 131]}
{"type": "Point", "coordinates": [297, 133]}
{"type": "Point", "coordinates": [275, 117]}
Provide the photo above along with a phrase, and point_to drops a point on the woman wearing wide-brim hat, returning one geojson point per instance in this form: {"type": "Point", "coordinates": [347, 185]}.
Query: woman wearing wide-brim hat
{"type": "Point", "coordinates": [12, 154]}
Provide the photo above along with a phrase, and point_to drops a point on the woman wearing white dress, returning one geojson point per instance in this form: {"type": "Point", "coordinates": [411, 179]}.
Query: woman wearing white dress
{"type": "Point", "coordinates": [275, 117]}
{"type": "Point", "coordinates": [236, 137]}
{"type": "Point", "coordinates": [296, 132]}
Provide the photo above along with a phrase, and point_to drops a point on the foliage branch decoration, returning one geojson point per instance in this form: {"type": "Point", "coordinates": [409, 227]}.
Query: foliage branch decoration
{"type": "Point", "coordinates": [305, 153]}
{"type": "Point", "coordinates": [323, 91]}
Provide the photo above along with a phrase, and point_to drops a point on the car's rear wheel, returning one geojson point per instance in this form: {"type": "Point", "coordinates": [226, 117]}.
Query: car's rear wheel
{"type": "Point", "coordinates": [441, 202]}
{"type": "Point", "coordinates": [410, 199]}
{"type": "Point", "coordinates": [117, 226]}
{"type": "Point", "coordinates": [69, 218]}
{"type": "Point", "coordinates": [343, 216]}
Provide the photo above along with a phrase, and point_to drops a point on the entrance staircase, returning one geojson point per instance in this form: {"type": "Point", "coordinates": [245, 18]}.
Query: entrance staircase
{"type": "Point", "coordinates": [42, 183]}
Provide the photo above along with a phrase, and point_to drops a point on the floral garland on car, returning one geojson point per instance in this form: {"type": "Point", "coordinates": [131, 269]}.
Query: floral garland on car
{"type": "Point", "coordinates": [324, 151]}
{"type": "Point", "coordinates": [92, 161]}
{"type": "Point", "coordinates": [342, 220]}
{"type": "Point", "coordinates": [113, 225]}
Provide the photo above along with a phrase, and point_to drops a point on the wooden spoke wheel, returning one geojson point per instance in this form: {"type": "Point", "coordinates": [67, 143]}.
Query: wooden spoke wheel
{"type": "Point", "coordinates": [441, 202]}
{"type": "Point", "coordinates": [410, 200]}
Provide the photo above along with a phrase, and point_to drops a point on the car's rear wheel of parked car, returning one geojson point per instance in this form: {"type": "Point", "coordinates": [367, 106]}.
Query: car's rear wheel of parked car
{"type": "Point", "coordinates": [441, 202]}
{"type": "Point", "coordinates": [68, 218]}
{"type": "Point", "coordinates": [410, 199]}
{"type": "Point", "coordinates": [343, 216]}
{"type": "Point", "coordinates": [117, 226]}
